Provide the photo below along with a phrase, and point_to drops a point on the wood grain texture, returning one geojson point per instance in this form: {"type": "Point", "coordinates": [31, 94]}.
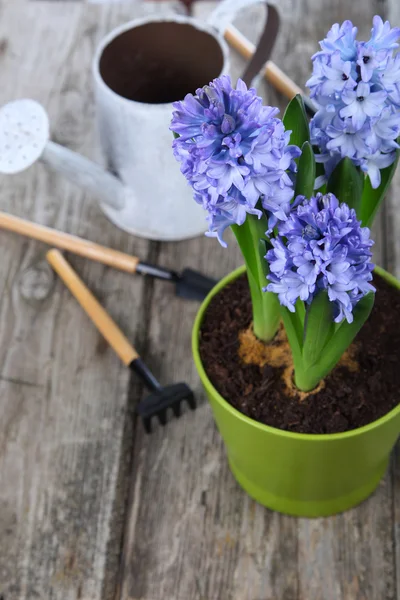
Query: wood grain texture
{"type": "Point", "coordinates": [193, 533]}
{"type": "Point", "coordinates": [66, 426]}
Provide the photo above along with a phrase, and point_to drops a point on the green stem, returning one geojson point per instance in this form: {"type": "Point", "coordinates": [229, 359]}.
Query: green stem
{"type": "Point", "coordinates": [266, 311]}
{"type": "Point", "coordinates": [306, 379]}
{"type": "Point", "coordinates": [330, 340]}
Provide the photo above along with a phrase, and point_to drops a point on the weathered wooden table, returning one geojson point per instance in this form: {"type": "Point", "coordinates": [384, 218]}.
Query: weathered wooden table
{"type": "Point", "coordinates": [90, 507]}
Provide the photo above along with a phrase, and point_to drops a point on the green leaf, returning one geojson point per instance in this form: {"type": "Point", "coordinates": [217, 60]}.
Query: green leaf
{"type": "Point", "coordinates": [266, 312]}
{"type": "Point", "coordinates": [295, 120]}
{"type": "Point", "coordinates": [294, 331]}
{"type": "Point", "coordinates": [301, 312]}
{"type": "Point", "coordinates": [337, 341]}
{"type": "Point", "coordinates": [319, 170]}
{"type": "Point", "coordinates": [176, 135]}
{"type": "Point", "coordinates": [341, 340]}
{"type": "Point", "coordinates": [371, 199]}
{"type": "Point", "coordinates": [248, 236]}
{"type": "Point", "coordinates": [263, 247]}
{"type": "Point", "coordinates": [305, 179]}
{"type": "Point", "coordinates": [347, 183]}
{"type": "Point", "coordinates": [319, 328]}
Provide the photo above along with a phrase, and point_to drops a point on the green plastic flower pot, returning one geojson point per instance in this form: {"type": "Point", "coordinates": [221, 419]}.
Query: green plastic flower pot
{"type": "Point", "coordinates": [306, 475]}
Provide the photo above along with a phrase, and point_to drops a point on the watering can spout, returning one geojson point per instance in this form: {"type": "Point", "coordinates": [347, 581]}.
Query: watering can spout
{"type": "Point", "coordinates": [86, 174]}
{"type": "Point", "coordinates": [25, 138]}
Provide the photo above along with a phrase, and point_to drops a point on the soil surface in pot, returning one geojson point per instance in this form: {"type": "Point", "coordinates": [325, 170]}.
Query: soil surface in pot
{"type": "Point", "coordinates": [256, 378]}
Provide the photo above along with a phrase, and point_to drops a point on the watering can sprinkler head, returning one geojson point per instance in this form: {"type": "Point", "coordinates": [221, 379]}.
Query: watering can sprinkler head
{"type": "Point", "coordinates": [25, 138]}
{"type": "Point", "coordinates": [24, 133]}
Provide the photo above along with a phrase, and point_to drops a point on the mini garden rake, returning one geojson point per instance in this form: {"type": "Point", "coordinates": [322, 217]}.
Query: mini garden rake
{"type": "Point", "coordinates": [161, 398]}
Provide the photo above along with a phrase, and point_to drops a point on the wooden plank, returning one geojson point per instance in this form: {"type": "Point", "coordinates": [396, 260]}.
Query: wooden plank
{"type": "Point", "coordinates": [393, 264]}
{"type": "Point", "coordinates": [66, 427]}
{"type": "Point", "coordinates": [193, 534]}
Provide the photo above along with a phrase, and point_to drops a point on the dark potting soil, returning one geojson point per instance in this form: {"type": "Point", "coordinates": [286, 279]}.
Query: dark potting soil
{"type": "Point", "coordinates": [257, 378]}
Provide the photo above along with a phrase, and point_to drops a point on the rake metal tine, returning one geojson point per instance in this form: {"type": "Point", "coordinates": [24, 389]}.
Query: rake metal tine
{"type": "Point", "coordinates": [191, 401]}
{"type": "Point", "coordinates": [147, 424]}
{"type": "Point", "coordinates": [162, 416]}
{"type": "Point", "coordinates": [176, 408]}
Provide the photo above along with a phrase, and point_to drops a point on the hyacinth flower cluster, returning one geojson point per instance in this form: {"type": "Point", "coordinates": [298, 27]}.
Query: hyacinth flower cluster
{"type": "Point", "coordinates": [321, 246]}
{"type": "Point", "coordinates": [356, 88]}
{"type": "Point", "coordinates": [320, 267]}
{"type": "Point", "coordinates": [234, 151]}
{"type": "Point", "coordinates": [235, 154]}
{"type": "Point", "coordinates": [307, 255]}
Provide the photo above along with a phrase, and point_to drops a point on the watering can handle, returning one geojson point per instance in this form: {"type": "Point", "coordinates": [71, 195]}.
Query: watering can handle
{"type": "Point", "coordinates": [85, 173]}
{"type": "Point", "coordinates": [226, 12]}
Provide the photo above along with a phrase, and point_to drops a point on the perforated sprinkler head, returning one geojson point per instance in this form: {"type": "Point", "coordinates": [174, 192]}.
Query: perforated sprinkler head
{"type": "Point", "coordinates": [24, 133]}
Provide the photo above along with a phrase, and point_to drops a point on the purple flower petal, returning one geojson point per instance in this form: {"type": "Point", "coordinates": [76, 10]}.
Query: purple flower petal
{"type": "Point", "coordinates": [321, 245]}
{"type": "Point", "coordinates": [233, 151]}
{"type": "Point", "coordinates": [356, 87]}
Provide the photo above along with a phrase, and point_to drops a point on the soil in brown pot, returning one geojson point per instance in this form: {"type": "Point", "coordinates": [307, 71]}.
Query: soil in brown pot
{"type": "Point", "coordinates": [257, 379]}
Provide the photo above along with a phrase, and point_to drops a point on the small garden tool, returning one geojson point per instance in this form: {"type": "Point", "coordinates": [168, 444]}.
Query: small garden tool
{"type": "Point", "coordinates": [160, 398]}
{"type": "Point", "coordinates": [189, 284]}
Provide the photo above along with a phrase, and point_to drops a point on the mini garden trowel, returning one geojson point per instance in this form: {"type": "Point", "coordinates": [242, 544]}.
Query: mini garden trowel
{"type": "Point", "coordinates": [188, 284]}
{"type": "Point", "coordinates": [160, 398]}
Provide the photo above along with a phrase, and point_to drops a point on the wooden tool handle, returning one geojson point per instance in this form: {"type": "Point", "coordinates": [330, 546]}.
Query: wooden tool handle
{"type": "Point", "coordinates": [92, 307]}
{"type": "Point", "coordinates": [74, 244]}
{"type": "Point", "coordinates": [272, 72]}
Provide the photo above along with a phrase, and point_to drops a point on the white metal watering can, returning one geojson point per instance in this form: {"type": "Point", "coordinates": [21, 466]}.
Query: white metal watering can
{"type": "Point", "coordinates": [139, 69]}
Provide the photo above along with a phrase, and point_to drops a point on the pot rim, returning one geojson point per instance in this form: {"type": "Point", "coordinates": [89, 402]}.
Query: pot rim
{"type": "Point", "coordinates": [267, 428]}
